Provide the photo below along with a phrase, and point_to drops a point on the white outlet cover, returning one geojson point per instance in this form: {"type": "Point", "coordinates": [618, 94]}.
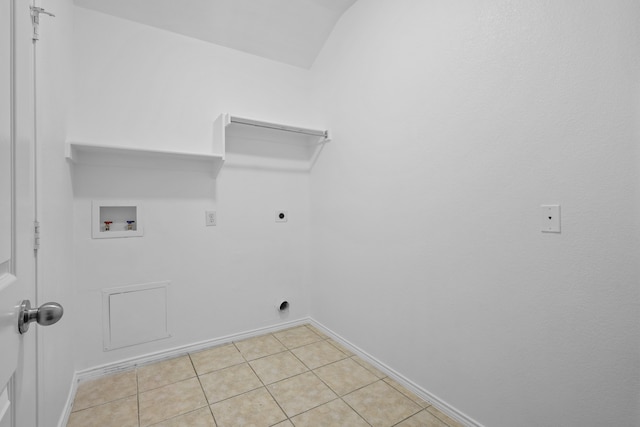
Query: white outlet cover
{"type": "Point", "coordinates": [210, 218]}
{"type": "Point", "coordinates": [282, 216]}
{"type": "Point", "coordinates": [550, 218]}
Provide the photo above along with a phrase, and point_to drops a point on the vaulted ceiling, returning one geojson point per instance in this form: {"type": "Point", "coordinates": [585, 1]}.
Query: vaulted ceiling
{"type": "Point", "coordinates": [289, 31]}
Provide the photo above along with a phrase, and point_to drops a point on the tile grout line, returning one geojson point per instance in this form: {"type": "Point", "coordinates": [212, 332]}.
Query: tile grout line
{"type": "Point", "coordinates": [335, 391]}
{"type": "Point", "coordinates": [290, 350]}
{"type": "Point", "coordinates": [415, 413]}
{"type": "Point", "coordinates": [183, 413]}
{"type": "Point", "coordinates": [354, 410]}
{"type": "Point", "coordinates": [176, 416]}
{"type": "Point", "coordinates": [353, 391]}
{"type": "Point", "coordinates": [341, 397]}
{"type": "Point", "coordinates": [173, 382]}
{"type": "Point", "coordinates": [316, 407]}
{"type": "Point", "coordinates": [104, 403]}
{"type": "Point", "coordinates": [417, 403]}
{"type": "Point", "coordinates": [440, 419]}
{"type": "Point", "coordinates": [293, 376]}
{"type": "Point", "coordinates": [206, 398]}
{"type": "Point", "coordinates": [355, 356]}
{"type": "Point", "coordinates": [280, 341]}
{"type": "Point", "coordinates": [138, 396]}
{"type": "Point", "coordinates": [346, 356]}
{"type": "Point", "coordinates": [303, 345]}
{"type": "Point", "coordinates": [322, 339]}
{"type": "Point", "coordinates": [444, 423]}
{"type": "Point", "coordinates": [265, 386]}
{"type": "Point", "coordinates": [404, 419]}
{"type": "Point", "coordinates": [107, 401]}
{"type": "Point", "coordinates": [338, 397]}
{"type": "Point", "coordinates": [264, 357]}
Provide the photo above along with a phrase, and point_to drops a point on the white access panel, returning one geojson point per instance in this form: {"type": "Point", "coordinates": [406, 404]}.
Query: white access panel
{"type": "Point", "coordinates": [135, 314]}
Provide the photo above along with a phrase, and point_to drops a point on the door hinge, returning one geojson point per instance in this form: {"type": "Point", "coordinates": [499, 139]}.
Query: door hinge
{"type": "Point", "coordinates": [35, 20]}
{"type": "Point", "coordinates": [36, 235]}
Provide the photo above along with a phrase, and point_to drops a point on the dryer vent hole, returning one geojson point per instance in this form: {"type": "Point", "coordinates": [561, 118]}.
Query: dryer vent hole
{"type": "Point", "coordinates": [284, 305]}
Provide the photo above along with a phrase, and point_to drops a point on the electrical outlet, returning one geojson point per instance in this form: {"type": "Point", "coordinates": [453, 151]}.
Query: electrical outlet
{"type": "Point", "coordinates": [281, 216]}
{"type": "Point", "coordinates": [210, 218]}
{"type": "Point", "coordinates": [550, 218]}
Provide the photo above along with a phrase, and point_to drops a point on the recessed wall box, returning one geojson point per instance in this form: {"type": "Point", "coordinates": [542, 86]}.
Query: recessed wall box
{"type": "Point", "coordinates": [113, 219]}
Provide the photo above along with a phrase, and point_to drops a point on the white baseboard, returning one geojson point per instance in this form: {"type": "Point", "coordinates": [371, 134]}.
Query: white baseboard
{"type": "Point", "coordinates": [64, 418]}
{"type": "Point", "coordinates": [127, 364]}
{"type": "Point", "coordinates": [393, 374]}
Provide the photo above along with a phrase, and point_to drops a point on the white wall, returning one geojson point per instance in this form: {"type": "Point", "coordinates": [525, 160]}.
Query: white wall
{"type": "Point", "coordinates": [140, 86]}
{"type": "Point", "coordinates": [453, 122]}
{"type": "Point", "coordinates": [56, 343]}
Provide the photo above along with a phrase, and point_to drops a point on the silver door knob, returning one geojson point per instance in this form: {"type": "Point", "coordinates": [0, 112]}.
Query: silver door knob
{"type": "Point", "coordinates": [47, 314]}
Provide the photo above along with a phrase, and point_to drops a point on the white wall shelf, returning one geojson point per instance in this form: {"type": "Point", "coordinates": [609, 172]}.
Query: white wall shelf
{"type": "Point", "coordinates": [104, 155]}
{"type": "Point", "coordinates": [302, 134]}
{"type": "Point", "coordinates": [253, 143]}
{"type": "Point", "coordinates": [256, 143]}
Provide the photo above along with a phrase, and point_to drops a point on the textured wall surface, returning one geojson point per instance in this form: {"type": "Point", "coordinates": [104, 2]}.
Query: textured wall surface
{"type": "Point", "coordinates": [453, 122]}
{"type": "Point", "coordinates": [143, 87]}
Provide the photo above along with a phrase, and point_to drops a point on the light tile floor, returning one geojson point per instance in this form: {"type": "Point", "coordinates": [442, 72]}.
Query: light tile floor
{"type": "Point", "coordinates": [296, 377]}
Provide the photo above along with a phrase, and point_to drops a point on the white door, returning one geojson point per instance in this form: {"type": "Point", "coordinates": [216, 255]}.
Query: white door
{"type": "Point", "coordinates": [17, 264]}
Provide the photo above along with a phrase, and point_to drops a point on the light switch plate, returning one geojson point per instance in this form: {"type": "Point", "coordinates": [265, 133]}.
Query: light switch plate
{"type": "Point", "coordinates": [550, 218]}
